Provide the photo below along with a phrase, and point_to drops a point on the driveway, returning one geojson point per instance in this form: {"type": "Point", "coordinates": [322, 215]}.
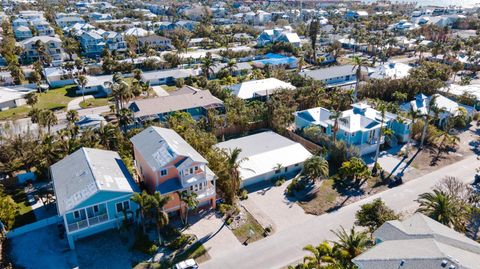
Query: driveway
{"type": "Point", "coordinates": [285, 247]}
{"type": "Point", "coordinates": [75, 103]}
{"type": "Point", "coordinates": [211, 231]}
{"type": "Point", "coordinates": [270, 206]}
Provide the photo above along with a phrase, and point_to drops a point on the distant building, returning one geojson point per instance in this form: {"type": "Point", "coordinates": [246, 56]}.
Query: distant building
{"type": "Point", "coordinates": [268, 156]}
{"type": "Point", "coordinates": [259, 89]}
{"type": "Point", "coordinates": [278, 35]}
{"type": "Point", "coordinates": [356, 14]}
{"type": "Point", "coordinates": [335, 76]}
{"type": "Point", "coordinates": [187, 99]}
{"type": "Point", "coordinates": [53, 47]}
{"type": "Point", "coordinates": [419, 242]}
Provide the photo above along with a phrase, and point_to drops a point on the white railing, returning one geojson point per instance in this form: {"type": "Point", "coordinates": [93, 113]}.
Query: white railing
{"type": "Point", "coordinates": [98, 219]}
{"type": "Point", "coordinates": [205, 193]}
{"type": "Point", "coordinates": [78, 225]}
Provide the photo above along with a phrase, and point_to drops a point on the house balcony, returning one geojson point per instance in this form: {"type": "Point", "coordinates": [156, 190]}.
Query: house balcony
{"type": "Point", "coordinates": [82, 224]}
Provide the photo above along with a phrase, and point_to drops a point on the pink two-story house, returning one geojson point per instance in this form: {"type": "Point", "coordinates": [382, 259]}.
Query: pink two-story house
{"type": "Point", "coordinates": [168, 164]}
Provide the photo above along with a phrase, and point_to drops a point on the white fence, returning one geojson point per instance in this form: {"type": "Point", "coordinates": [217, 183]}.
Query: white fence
{"type": "Point", "coordinates": [33, 226]}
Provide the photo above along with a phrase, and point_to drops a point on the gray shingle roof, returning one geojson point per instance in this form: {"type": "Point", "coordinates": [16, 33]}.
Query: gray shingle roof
{"type": "Point", "coordinates": [420, 242]}
{"type": "Point", "coordinates": [172, 103]}
{"type": "Point", "coordinates": [86, 172]}
{"type": "Point", "coordinates": [158, 146]}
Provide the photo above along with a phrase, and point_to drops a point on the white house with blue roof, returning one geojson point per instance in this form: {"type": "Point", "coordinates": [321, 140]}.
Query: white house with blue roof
{"type": "Point", "coordinates": [359, 126]}
{"type": "Point", "coordinates": [93, 189]}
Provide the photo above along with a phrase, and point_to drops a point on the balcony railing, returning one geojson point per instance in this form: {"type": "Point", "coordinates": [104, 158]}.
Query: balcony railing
{"type": "Point", "coordinates": [78, 225]}
{"type": "Point", "coordinates": [98, 219]}
{"type": "Point", "coordinates": [87, 222]}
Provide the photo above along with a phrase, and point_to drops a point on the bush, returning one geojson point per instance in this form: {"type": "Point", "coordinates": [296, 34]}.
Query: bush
{"type": "Point", "coordinates": [294, 186]}
{"type": "Point", "coordinates": [279, 182]}
{"type": "Point", "coordinates": [180, 242]}
{"type": "Point", "coordinates": [143, 244]}
{"type": "Point", "coordinates": [243, 195]}
{"type": "Point", "coordinates": [227, 210]}
{"type": "Point", "coordinates": [180, 82]}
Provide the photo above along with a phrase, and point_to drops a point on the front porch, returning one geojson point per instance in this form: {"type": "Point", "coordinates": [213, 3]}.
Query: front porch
{"type": "Point", "coordinates": [86, 217]}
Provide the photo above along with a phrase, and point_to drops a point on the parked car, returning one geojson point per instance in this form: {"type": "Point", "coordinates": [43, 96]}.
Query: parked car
{"type": "Point", "coordinates": [186, 264]}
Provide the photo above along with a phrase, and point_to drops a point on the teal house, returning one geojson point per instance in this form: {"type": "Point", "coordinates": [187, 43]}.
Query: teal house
{"type": "Point", "coordinates": [93, 190]}
{"type": "Point", "coordinates": [359, 126]}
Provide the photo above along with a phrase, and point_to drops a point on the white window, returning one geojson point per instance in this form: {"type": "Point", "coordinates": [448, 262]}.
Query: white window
{"type": "Point", "coordinates": [125, 205]}
{"type": "Point", "coordinates": [163, 172]}
{"type": "Point", "coordinates": [95, 209]}
{"type": "Point", "coordinates": [76, 214]}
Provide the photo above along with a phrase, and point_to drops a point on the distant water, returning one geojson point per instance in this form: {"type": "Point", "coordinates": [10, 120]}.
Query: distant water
{"type": "Point", "coordinates": [443, 3]}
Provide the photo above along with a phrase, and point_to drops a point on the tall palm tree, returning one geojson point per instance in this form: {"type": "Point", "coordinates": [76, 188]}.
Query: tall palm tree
{"type": "Point", "coordinates": [144, 202]}
{"type": "Point", "coordinates": [313, 30]}
{"type": "Point", "coordinates": [358, 64]}
{"type": "Point", "coordinates": [161, 217]}
{"type": "Point", "coordinates": [82, 81]}
{"type": "Point", "coordinates": [231, 66]}
{"type": "Point", "coordinates": [431, 106]}
{"type": "Point", "coordinates": [107, 135]}
{"type": "Point", "coordinates": [207, 65]}
{"type": "Point", "coordinates": [350, 245]}
{"type": "Point", "coordinates": [413, 116]}
{"type": "Point", "coordinates": [335, 115]}
{"type": "Point", "coordinates": [190, 201]}
{"type": "Point", "coordinates": [233, 166]}
{"type": "Point", "coordinates": [383, 109]}
{"type": "Point", "coordinates": [316, 167]}
{"type": "Point", "coordinates": [439, 206]}
{"type": "Point", "coordinates": [125, 117]}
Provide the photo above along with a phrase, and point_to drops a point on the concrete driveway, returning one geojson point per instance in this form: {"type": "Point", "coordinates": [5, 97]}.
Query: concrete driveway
{"type": "Point", "coordinates": [211, 231]}
{"type": "Point", "coordinates": [269, 205]}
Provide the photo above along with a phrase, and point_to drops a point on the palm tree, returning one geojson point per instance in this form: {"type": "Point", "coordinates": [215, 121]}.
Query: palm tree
{"type": "Point", "coordinates": [316, 167]}
{"type": "Point", "coordinates": [231, 66]}
{"type": "Point", "coordinates": [335, 116]}
{"type": "Point", "coordinates": [430, 106]}
{"type": "Point", "coordinates": [107, 135]}
{"type": "Point", "coordinates": [144, 202]}
{"type": "Point", "coordinates": [82, 81]}
{"type": "Point", "coordinates": [207, 65]}
{"type": "Point", "coordinates": [413, 115]}
{"type": "Point", "coordinates": [233, 167]}
{"type": "Point", "coordinates": [383, 109]}
{"type": "Point", "coordinates": [358, 64]}
{"type": "Point", "coordinates": [31, 98]}
{"type": "Point", "coordinates": [47, 118]}
{"type": "Point", "coordinates": [190, 201]}
{"type": "Point", "coordinates": [72, 116]}
{"type": "Point", "coordinates": [350, 245]}
{"type": "Point", "coordinates": [42, 52]}
{"type": "Point", "coordinates": [322, 254]}
{"type": "Point", "coordinates": [441, 207]}
{"type": "Point", "coordinates": [137, 74]}
{"type": "Point", "coordinates": [161, 217]}
{"type": "Point", "coordinates": [313, 30]}
{"type": "Point", "coordinates": [125, 117]}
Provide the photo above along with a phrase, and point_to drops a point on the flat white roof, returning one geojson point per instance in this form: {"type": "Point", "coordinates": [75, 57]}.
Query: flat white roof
{"type": "Point", "coordinates": [264, 151]}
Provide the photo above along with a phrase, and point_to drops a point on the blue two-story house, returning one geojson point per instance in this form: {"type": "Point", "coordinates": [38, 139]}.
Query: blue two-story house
{"type": "Point", "coordinates": [93, 189]}
{"type": "Point", "coordinates": [359, 126]}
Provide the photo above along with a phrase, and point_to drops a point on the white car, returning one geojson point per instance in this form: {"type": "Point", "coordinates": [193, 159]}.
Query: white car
{"type": "Point", "coordinates": [186, 264]}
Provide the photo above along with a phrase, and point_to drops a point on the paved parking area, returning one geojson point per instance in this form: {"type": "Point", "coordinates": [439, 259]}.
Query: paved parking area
{"type": "Point", "coordinates": [269, 204]}
{"type": "Point", "coordinates": [211, 231]}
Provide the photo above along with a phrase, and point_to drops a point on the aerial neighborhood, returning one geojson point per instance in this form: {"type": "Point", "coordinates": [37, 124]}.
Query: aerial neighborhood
{"type": "Point", "coordinates": [337, 134]}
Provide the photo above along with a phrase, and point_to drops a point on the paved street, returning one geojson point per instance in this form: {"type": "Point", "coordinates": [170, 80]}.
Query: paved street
{"type": "Point", "coordinates": [285, 246]}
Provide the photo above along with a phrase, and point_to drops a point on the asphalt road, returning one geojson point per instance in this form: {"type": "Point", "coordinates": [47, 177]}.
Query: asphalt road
{"type": "Point", "coordinates": [285, 247]}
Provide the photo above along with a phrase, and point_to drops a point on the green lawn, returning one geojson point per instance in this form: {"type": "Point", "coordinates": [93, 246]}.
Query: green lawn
{"type": "Point", "coordinates": [54, 99]}
{"type": "Point", "coordinates": [243, 232]}
{"type": "Point", "coordinates": [94, 102]}
{"type": "Point", "coordinates": [25, 213]}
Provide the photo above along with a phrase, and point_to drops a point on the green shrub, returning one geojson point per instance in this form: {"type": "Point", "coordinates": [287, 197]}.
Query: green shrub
{"type": "Point", "coordinates": [143, 244]}
{"type": "Point", "coordinates": [243, 195]}
{"type": "Point", "coordinates": [170, 233]}
{"type": "Point", "coordinates": [228, 210]}
{"type": "Point", "coordinates": [294, 186]}
{"type": "Point", "coordinates": [229, 221]}
{"type": "Point", "coordinates": [279, 182]}
{"type": "Point", "coordinates": [180, 242]}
